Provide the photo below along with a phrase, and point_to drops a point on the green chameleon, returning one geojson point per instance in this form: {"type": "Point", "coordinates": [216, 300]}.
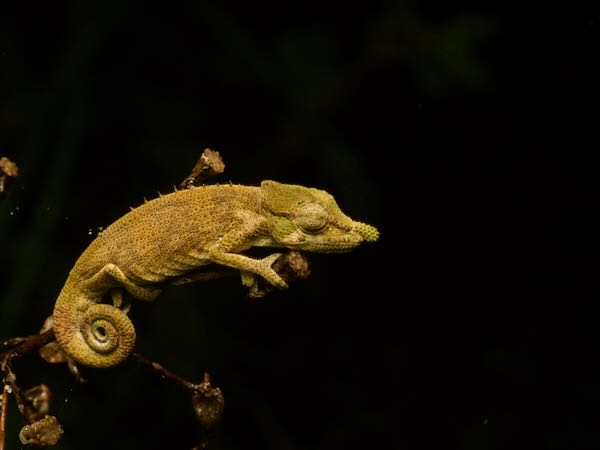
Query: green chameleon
{"type": "Point", "coordinates": [178, 233]}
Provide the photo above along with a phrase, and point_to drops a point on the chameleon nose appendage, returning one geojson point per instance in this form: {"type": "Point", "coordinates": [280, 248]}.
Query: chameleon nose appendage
{"type": "Point", "coordinates": [367, 232]}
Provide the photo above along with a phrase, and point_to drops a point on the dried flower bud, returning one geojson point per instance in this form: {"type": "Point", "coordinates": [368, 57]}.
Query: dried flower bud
{"type": "Point", "coordinates": [44, 433]}
{"type": "Point", "coordinates": [8, 172]}
{"type": "Point", "coordinates": [51, 352]}
{"type": "Point", "coordinates": [37, 401]}
{"type": "Point", "coordinates": [208, 165]}
{"type": "Point", "coordinates": [292, 266]}
{"type": "Point", "coordinates": [208, 404]}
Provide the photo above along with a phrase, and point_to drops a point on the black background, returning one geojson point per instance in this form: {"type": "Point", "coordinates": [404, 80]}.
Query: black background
{"type": "Point", "coordinates": [465, 132]}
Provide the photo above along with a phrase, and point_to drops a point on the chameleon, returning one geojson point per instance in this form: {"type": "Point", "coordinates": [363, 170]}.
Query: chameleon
{"type": "Point", "coordinates": [178, 233]}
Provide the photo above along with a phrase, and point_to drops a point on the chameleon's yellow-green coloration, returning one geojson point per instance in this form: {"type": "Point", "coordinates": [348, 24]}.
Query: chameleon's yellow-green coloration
{"type": "Point", "coordinates": [177, 233]}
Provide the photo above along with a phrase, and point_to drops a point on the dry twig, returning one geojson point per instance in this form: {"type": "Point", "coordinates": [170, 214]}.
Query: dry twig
{"type": "Point", "coordinates": [208, 165]}
{"type": "Point", "coordinates": [24, 346]}
{"type": "Point", "coordinates": [208, 401]}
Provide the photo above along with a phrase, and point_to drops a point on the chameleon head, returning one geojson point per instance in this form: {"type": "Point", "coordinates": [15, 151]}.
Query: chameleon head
{"type": "Point", "coordinates": [309, 219]}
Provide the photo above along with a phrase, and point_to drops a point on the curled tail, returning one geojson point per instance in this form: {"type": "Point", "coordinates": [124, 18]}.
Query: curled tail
{"type": "Point", "coordinates": [98, 335]}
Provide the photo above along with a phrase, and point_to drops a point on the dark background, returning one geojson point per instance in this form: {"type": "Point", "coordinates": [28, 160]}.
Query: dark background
{"type": "Point", "coordinates": [465, 132]}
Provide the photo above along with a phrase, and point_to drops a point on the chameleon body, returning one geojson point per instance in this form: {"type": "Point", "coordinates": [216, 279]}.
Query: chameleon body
{"type": "Point", "coordinates": [178, 233]}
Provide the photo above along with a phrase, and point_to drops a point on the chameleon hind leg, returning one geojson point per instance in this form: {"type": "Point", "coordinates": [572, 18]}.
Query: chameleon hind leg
{"type": "Point", "coordinates": [110, 276]}
{"type": "Point", "coordinates": [118, 300]}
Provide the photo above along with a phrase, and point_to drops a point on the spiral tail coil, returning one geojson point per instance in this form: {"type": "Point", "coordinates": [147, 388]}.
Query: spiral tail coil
{"type": "Point", "coordinates": [102, 336]}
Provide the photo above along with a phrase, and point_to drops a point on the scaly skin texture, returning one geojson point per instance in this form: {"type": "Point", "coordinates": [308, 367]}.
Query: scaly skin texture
{"type": "Point", "coordinates": [177, 233]}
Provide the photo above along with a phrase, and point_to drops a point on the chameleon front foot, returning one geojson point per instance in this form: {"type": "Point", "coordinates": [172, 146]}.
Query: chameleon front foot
{"type": "Point", "coordinates": [291, 266]}
{"type": "Point", "coordinates": [250, 267]}
{"type": "Point", "coordinates": [269, 274]}
{"type": "Point", "coordinates": [265, 271]}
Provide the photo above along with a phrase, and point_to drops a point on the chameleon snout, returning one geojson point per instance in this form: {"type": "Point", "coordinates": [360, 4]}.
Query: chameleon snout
{"type": "Point", "coordinates": [368, 232]}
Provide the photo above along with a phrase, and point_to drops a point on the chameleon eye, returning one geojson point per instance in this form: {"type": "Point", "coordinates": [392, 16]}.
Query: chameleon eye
{"type": "Point", "coordinates": [312, 217]}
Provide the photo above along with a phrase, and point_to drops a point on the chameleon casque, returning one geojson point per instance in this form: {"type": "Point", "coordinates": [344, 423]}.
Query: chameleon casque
{"type": "Point", "coordinates": [178, 233]}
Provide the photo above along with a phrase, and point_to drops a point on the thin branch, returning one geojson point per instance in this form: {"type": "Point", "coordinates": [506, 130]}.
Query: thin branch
{"type": "Point", "coordinates": [3, 410]}
{"type": "Point", "coordinates": [203, 276]}
{"type": "Point", "coordinates": [19, 398]}
{"type": "Point", "coordinates": [164, 372]}
{"type": "Point", "coordinates": [11, 342]}
{"type": "Point", "coordinates": [291, 266]}
{"type": "Point", "coordinates": [208, 402]}
{"type": "Point", "coordinates": [26, 345]}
